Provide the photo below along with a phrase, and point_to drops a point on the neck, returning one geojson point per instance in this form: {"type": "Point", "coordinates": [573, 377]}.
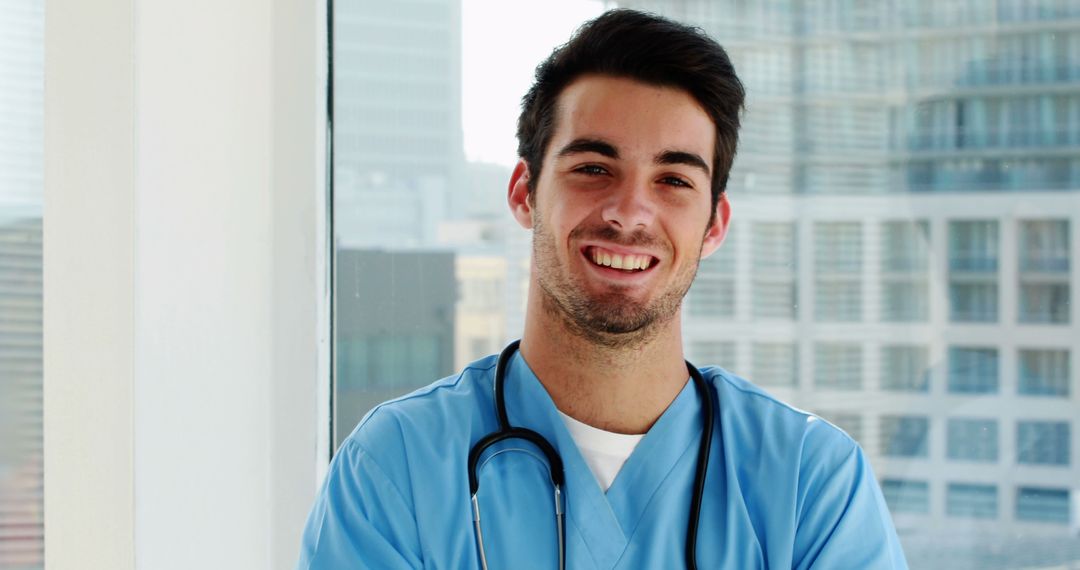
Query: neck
{"type": "Point", "coordinates": [618, 387]}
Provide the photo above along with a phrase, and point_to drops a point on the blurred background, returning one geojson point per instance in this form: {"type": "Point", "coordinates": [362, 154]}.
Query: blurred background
{"type": "Point", "coordinates": [22, 71]}
{"type": "Point", "coordinates": [901, 258]}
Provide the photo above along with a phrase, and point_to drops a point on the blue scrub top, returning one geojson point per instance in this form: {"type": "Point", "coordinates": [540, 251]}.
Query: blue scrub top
{"type": "Point", "coordinates": [785, 489]}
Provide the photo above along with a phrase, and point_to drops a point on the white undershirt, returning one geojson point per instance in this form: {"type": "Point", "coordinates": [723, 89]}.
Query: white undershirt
{"type": "Point", "coordinates": [605, 452]}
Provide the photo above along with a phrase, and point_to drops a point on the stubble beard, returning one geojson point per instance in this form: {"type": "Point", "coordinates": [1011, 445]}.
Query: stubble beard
{"type": "Point", "coordinates": [611, 320]}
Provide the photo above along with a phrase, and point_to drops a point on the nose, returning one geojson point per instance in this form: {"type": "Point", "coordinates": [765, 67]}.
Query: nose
{"type": "Point", "coordinates": [630, 205]}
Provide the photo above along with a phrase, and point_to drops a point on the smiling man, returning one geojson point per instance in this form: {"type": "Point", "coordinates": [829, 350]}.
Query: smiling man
{"type": "Point", "coordinates": [592, 443]}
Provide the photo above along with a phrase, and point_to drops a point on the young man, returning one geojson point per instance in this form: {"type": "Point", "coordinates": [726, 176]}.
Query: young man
{"type": "Point", "coordinates": [626, 140]}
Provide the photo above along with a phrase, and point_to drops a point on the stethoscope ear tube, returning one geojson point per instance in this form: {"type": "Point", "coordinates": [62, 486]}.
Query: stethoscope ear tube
{"type": "Point", "coordinates": [505, 432]}
{"type": "Point", "coordinates": [702, 465]}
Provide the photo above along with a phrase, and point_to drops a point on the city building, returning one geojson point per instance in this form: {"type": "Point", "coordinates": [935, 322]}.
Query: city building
{"type": "Point", "coordinates": [21, 471]}
{"type": "Point", "coordinates": [397, 135]}
{"type": "Point", "coordinates": [394, 325]}
{"type": "Point", "coordinates": [903, 254]}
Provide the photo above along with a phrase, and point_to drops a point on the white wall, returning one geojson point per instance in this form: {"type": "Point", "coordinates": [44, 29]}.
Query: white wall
{"type": "Point", "coordinates": [185, 282]}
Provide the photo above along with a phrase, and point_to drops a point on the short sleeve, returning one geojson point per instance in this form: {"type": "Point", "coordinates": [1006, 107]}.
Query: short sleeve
{"type": "Point", "coordinates": [360, 518]}
{"type": "Point", "coordinates": [843, 520]}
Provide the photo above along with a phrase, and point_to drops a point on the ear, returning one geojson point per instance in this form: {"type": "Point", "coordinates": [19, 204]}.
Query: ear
{"type": "Point", "coordinates": [517, 195]}
{"type": "Point", "coordinates": [714, 236]}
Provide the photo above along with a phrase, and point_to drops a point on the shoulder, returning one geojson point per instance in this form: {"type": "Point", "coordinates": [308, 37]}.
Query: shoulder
{"type": "Point", "coordinates": [753, 412]}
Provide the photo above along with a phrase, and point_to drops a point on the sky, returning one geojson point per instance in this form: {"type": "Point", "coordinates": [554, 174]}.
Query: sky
{"type": "Point", "coordinates": [502, 42]}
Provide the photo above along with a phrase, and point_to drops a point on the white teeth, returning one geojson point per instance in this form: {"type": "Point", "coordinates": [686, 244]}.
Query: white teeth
{"type": "Point", "coordinates": [618, 261]}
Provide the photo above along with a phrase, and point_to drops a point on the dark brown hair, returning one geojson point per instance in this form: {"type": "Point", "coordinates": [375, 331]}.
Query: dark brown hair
{"type": "Point", "coordinates": [646, 48]}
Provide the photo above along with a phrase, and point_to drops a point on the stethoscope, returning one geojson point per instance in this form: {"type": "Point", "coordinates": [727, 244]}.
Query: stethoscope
{"type": "Point", "coordinates": [555, 464]}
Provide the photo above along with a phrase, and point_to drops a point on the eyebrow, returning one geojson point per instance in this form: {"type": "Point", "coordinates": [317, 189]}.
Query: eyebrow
{"type": "Point", "coordinates": [603, 148]}
{"type": "Point", "coordinates": [600, 147]}
{"type": "Point", "coordinates": [680, 157]}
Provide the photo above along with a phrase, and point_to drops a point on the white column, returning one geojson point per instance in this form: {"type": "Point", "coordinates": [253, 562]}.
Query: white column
{"type": "Point", "coordinates": [186, 292]}
{"type": "Point", "coordinates": [89, 288]}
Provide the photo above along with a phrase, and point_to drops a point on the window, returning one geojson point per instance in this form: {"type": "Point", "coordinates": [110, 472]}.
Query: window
{"type": "Point", "coordinates": [973, 266]}
{"type": "Point", "coordinates": [973, 370]}
{"type": "Point", "coordinates": [973, 439]}
{"type": "Point", "coordinates": [838, 270]}
{"type": "Point", "coordinates": [896, 264]}
{"type": "Point", "coordinates": [1042, 442]}
{"type": "Point", "coordinates": [838, 366]}
{"type": "Point", "coordinates": [973, 246]}
{"type": "Point", "coordinates": [1044, 372]}
{"type": "Point", "coordinates": [971, 501]}
{"type": "Point", "coordinates": [1044, 302]}
{"type": "Point", "coordinates": [776, 364]}
{"type": "Point", "coordinates": [713, 291]}
{"type": "Point", "coordinates": [904, 436]}
{"type": "Point", "coordinates": [905, 368]}
{"type": "Point", "coordinates": [1044, 262]}
{"type": "Point", "coordinates": [1040, 504]}
{"type": "Point", "coordinates": [905, 265]}
{"type": "Point", "coordinates": [906, 495]}
{"type": "Point", "coordinates": [774, 259]}
{"type": "Point", "coordinates": [1044, 246]}
{"type": "Point", "coordinates": [720, 353]}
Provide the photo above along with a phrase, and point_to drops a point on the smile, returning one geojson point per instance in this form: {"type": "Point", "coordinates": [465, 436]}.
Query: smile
{"type": "Point", "coordinates": [628, 262]}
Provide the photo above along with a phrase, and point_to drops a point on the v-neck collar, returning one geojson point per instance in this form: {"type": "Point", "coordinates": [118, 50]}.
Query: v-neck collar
{"type": "Point", "coordinates": [606, 522]}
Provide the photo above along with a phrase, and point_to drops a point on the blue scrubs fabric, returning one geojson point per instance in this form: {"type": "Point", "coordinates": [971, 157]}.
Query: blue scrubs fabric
{"type": "Point", "coordinates": [784, 488]}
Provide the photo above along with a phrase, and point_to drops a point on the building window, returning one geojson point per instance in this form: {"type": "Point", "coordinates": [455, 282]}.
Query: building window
{"type": "Point", "coordinates": [1044, 246]}
{"type": "Point", "coordinates": [905, 368]}
{"type": "Point", "coordinates": [971, 500]}
{"type": "Point", "coordinates": [905, 301]}
{"type": "Point", "coordinates": [1043, 302]}
{"type": "Point", "coordinates": [838, 271]}
{"type": "Point", "coordinates": [904, 268]}
{"type": "Point", "coordinates": [973, 370]}
{"type": "Point", "coordinates": [776, 364]}
{"type": "Point", "coordinates": [904, 436]}
{"type": "Point", "coordinates": [713, 291]}
{"type": "Point", "coordinates": [1044, 372]}
{"type": "Point", "coordinates": [703, 353]}
{"type": "Point", "coordinates": [1044, 264]}
{"type": "Point", "coordinates": [973, 266]}
{"type": "Point", "coordinates": [1040, 504]}
{"type": "Point", "coordinates": [838, 366]}
{"type": "Point", "coordinates": [774, 270]}
{"type": "Point", "coordinates": [973, 439]}
{"type": "Point", "coordinates": [1042, 442]}
{"type": "Point", "coordinates": [973, 302]}
{"type": "Point", "coordinates": [906, 495]}
{"type": "Point", "coordinates": [906, 247]}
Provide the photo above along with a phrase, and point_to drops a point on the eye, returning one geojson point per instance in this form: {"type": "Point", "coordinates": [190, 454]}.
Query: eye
{"type": "Point", "coordinates": [676, 181]}
{"type": "Point", "coordinates": [591, 170]}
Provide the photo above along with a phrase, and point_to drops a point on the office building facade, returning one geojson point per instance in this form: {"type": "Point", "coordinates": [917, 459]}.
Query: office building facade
{"type": "Point", "coordinates": [903, 255]}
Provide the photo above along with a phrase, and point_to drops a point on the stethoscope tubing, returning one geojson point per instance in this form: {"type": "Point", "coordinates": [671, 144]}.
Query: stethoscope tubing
{"type": "Point", "coordinates": [555, 464]}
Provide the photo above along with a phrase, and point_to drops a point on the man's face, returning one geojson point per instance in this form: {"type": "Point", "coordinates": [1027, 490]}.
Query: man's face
{"type": "Point", "coordinates": [620, 214]}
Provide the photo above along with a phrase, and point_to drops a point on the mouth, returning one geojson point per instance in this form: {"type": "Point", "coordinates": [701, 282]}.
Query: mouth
{"type": "Point", "coordinates": [624, 262]}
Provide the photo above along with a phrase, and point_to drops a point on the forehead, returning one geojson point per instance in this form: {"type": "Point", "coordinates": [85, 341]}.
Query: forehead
{"type": "Point", "coordinates": [636, 117]}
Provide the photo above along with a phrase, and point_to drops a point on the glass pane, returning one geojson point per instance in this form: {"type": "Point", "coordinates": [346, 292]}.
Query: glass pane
{"type": "Point", "coordinates": [902, 235]}
{"type": "Point", "coordinates": [22, 68]}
